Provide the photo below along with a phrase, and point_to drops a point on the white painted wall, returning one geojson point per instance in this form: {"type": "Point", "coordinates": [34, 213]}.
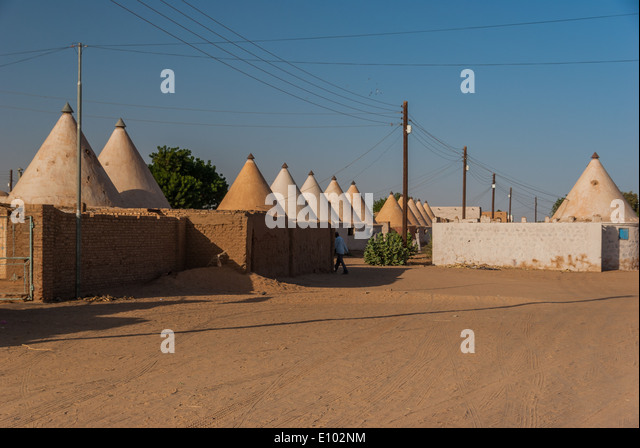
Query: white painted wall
{"type": "Point", "coordinates": [555, 246]}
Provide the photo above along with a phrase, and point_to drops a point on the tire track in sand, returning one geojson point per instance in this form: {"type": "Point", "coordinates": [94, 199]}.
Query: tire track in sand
{"type": "Point", "coordinates": [300, 369]}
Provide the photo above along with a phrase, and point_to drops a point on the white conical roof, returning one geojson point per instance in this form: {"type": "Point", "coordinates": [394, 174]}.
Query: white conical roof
{"type": "Point", "coordinates": [337, 198]}
{"type": "Point", "coordinates": [283, 184]}
{"type": "Point", "coordinates": [423, 213]}
{"type": "Point", "coordinates": [249, 191]}
{"type": "Point", "coordinates": [129, 173]}
{"type": "Point", "coordinates": [416, 213]}
{"type": "Point", "coordinates": [51, 177]}
{"type": "Point", "coordinates": [411, 218]}
{"type": "Point", "coordinates": [317, 200]}
{"type": "Point", "coordinates": [428, 211]}
{"type": "Point", "coordinates": [593, 195]}
{"type": "Point", "coordinates": [360, 210]}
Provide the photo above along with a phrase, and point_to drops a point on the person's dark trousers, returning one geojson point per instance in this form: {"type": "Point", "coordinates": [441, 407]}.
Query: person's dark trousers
{"type": "Point", "coordinates": [340, 261]}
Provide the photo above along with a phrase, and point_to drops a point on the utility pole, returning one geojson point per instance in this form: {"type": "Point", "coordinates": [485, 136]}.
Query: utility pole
{"type": "Point", "coordinates": [535, 210]}
{"type": "Point", "coordinates": [464, 184]}
{"type": "Point", "coordinates": [10, 180]}
{"type": "Point", "coordinates": [405, 170]}
{"type": "Point", "coordinates": [493, 197]}
{"type": "Point", "coordinates": [79, 161]}
{"type": "Point", "coordinates": [510, 195]}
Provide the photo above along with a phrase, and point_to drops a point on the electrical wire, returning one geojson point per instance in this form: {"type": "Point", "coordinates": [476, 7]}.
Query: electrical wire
{"type": "Point", "coordinates": [393, 143]}
{"type": "Point", "coordinates": [34, 57]}
{"type": "Point", "coordinates": [400, 33]}
{"type": "Point", "coordinates": [191, 123]}
{"type": "Point", "coordinates": [270, 63]}
{"type": "Point", "coordinates": [386, 64]}
{"type": "Point", "coordinates": [361, 155]}
{"type": "Point", "coordinates": [188, 109]}
{"type": "Point", "coordinates": [231, 66]}
{"type": "Point", "coordinates": [290, 64]}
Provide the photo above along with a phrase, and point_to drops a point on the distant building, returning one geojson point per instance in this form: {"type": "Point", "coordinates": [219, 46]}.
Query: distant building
{"type": "Point", "coordinates": [499, 216]}
{"type": "Point", "coordinates": [451, 213]}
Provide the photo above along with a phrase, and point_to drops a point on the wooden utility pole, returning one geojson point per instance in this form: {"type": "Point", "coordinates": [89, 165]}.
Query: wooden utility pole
{"type": "Point", "coordinates": [493, 197]}
{"type": "Point", "coordinates": [510, 194]}
{"type": "Point", "coordinates": [79, 180]}
{"type": "Point", "coordinates": [535, 210]}
{"type": "Point", "coordinates": [464, 184]}
{"type": "Point", "coordinates": [10, 180]}
{"type": "Point", "coordinates": [405, 170]}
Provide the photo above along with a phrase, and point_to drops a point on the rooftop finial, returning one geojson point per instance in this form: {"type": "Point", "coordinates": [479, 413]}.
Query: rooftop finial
{"type": "Point", "coordinates": [595, 156]}
{"type": "Point", "coordinates": [284, 165]}
{"type": "Point", "coordinates": [310, 173]}
{"type": "Point", "coordinates": [120, 124]}
{"type": "Point", "coordinates": [250, 157]}
{"type": "Point", "coordinates": [67, 109]}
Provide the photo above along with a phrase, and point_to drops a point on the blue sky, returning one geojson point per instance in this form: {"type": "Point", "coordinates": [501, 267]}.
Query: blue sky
{"type": "Point", "coordinates": [535, 124]}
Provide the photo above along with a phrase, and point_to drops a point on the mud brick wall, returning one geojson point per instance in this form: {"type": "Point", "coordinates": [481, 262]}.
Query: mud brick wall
{"type": "Point", "coordinates": [210, 233]}
{"type": "Point", "coordinates": [312, 250]}
{"type": "Point", "coordinates": [269, 249]}
{"type": "Point", "coordinates": [287, 252]}
{"type": "Point", "coordinates": [123, 246]}
{"type": "Point", "coordinates": [116, 250]}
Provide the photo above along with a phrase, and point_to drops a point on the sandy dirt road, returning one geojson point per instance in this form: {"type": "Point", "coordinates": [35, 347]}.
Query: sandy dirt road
{"type": "Point", "coordinates": [380, 347]}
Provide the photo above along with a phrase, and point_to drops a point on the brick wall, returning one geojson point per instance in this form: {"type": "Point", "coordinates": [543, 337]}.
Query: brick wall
{"type": "Point", "coordinates": [124, 246]}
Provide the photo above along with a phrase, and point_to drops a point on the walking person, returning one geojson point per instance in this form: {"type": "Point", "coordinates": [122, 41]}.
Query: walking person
{"type": "Point", "coordinates": [341, 250]}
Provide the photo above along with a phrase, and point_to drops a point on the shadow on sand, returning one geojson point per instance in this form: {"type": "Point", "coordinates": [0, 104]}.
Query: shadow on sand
{"type": "Point", "coordinates": [29, 324]}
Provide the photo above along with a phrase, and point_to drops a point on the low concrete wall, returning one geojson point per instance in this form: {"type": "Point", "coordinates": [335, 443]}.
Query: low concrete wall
{"type": "Point", "coordinates": [554, 246]}
{"type": "Point", "coordinates": [617, 253]}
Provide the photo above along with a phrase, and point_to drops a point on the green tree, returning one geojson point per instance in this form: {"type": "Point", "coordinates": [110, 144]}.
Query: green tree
{"type": "Point", "coordinates": [632, 199]}
{"type": "Point", "coordinates": [187, 181]}
{"type": "Point", "coordinates": [557, 205]}
{"type": "Point", "coordinates": [379, 203]}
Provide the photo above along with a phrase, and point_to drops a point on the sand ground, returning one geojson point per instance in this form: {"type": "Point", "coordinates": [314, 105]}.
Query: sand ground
{"type": "Point", "coordinates": [380, 347]}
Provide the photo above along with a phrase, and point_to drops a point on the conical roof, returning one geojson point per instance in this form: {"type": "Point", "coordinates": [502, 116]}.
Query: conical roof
{"type": "Point", "coordinates": [411, 218]}
{"type": "Point", "coordinates": [592, 195]}
{"type": "Point", "coordinates": [281, 185]}
{"type": "Point", "coordinates": [360, 210]}
{"type": "Point", "coordinates": [428, 210]}
{"type": "Point", "coordinates": [390, 212]}
{"type": "Point", "coordinates": [336, 198]}
{"type": "Point", "coordinates": [315, 198]}
{"type": "Point", "coordinates": [129, 173]}
{"type": "Point", "coordinates": [51, 177]}
{"type": "Point", "coordinates": [414, 209]}
{"type": "Point", "coordinates": [423, 213]}
{"type": "Point", "coordinates": [249, 191]}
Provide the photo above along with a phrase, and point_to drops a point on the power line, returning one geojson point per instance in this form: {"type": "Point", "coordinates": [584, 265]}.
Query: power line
{"type": "Point", "coordinates": [400, 33]}
{"type": "Point", "coordinates": [33, 51]}
{"type": "Point", "coordinates": [233, 67]}
{"type": "Point", "coordinates": [190, 123]}
{"type": "Point", "coordinates": [270, 63]}
{"type": "Point", "coordinates": [382, 64]}
{"type": "Point", "coordinates": [393, 143]}
{"type": "Point", "coordinates": [188, 109]}
{"type": "Point", "coordinates": [512, 180]}
{"type": "Point", "coordinates": [363, 154]}
{"type": "Point", "coordinates": [289, 63]}
{"type": "Point", "coordinates": [34, 57]}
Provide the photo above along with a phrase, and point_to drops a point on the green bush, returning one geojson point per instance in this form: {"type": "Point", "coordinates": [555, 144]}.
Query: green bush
{"type": "Point", "coordinates": [388, 250]}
